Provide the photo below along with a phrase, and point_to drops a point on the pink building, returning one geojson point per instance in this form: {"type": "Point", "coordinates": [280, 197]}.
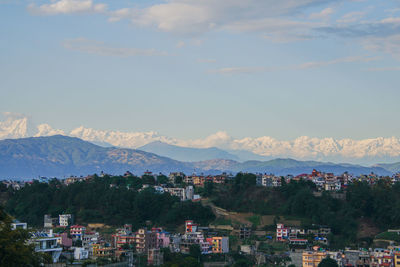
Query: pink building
{"type": "Point", "coordinates": [64, 240]}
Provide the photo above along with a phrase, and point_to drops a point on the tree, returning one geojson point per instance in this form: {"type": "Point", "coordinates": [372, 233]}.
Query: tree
{"type": "Point", "coordinates": [148, 179]}
{"type": "Point", "coordinates": [328, 262]}
{"type": "Point", "coordinates": [14, 250]}
{"type": "Point", "coordinates": [208, 188]}
{"type": "Point", "coordinates": [162, 179]}
{"type": "Point", "coordinates": [195, 252]}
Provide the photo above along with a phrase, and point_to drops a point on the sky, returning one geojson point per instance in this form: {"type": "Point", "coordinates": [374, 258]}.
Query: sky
{"type": "Point", "coordinates": [191, 68]}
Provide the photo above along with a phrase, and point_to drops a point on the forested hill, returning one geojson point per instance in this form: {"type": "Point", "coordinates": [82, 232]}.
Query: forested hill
{"type": "Point", "coordinates": [95, 201]}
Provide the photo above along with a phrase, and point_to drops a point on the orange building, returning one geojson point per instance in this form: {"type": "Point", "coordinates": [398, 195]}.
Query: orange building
{"type": "Point", "coordinates": [313, 258]}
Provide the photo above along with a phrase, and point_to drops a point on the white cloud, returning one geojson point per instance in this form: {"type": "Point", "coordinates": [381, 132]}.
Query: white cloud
{"type": "Point", "coordinates": [238, 70]}
{"type": "Point", "coordinates": [324, 14]}
{"type": "Point", "coordinates": [353, 59]}
{"type": "Point", "coordinates": [387, 44]}
{"type": "Point", "coordinates": [307, 65]}
{"type": "Point", "coordinates": [99, 48]}
{"type": "Point", "coordinates": [67, 7]}
{"type": "Point", "coordinates": [352, 17]}
{"type": "Point", "coordinates": [198, 16]}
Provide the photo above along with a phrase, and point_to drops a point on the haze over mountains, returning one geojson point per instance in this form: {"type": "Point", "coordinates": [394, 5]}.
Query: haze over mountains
{"type": "Point", "coordinates": [366, 152]}
{"type": "Point", "coordinates": [61, 156]}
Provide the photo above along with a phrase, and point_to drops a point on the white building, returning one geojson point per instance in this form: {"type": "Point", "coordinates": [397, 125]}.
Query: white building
{"type": "Point", "coordinates": [19, 225]}
{"type": "Point", "coordinates": [46, 243]}
{"type": "Point", "coordinates": [65, 219]}
{"type": "Point", "coordinates": [81, 254]}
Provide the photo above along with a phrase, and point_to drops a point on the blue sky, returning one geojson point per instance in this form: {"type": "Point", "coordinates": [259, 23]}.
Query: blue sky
{"type": "Point", "coordinates": [190, 68]}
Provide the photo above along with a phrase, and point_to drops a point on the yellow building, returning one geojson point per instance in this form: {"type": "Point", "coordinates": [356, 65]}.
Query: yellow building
{"type": "Point", "coordinates": [219, 244]}
{"type": "Point", "coordinates": [396, 258]}
{"type": "Point", "coordinates": [100, 251]}
{"type": "Point", "coordinates": [313, 258]}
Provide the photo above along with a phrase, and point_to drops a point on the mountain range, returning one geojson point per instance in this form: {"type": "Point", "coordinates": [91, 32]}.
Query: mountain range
{"type": "Point", "coordinates": [61, 156]}
{"type": "Point", "coordinates": [192, 154]}
{"type": "Point", "coordinates": [364, 152]}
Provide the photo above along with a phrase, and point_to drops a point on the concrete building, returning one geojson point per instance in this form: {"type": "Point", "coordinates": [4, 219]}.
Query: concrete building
{"type": "Point", "coordinates": [65, 219]}
{"type": "Point", "coordinates": [46, 243]}
{"type": "Point", "coordinates": [19, 225]}
{"type": "Point", "coordinates": [313, 258]}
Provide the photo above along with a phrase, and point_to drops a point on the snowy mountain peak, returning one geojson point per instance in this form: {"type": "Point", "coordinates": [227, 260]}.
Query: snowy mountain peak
{"type": "Point", "coordinates": [365, 151]}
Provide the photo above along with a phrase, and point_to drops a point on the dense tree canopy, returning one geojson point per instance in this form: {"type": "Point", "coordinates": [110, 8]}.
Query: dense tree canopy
{"type": "Point", "coordinates": [110, 200]}
{"type": "Point", "coordinates": [14, 250]}
{"type": "Point", "coordinates": [328, 262]}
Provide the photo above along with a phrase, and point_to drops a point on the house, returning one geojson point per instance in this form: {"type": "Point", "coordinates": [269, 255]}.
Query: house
{"type": "Point", "coordinates": [193, 237]}
{"type": "Point", "coordinates": [381, 257]}
{"type": "Point", "coordinates": [219, 245]}
{"type": "Point", "coordinates": [313, 258]}
{"type": "Point", "coordinates": [282, 232]}
{"type": "Point", "coordinates": [396, 258]}
{"type": "Point", "coordinates": [49, 222]}
{"type": "Point", "coordinates": [81, 254]}
{"type": "Point", "coordinates": [102, 251]}
{"type": "Point", "coordinates": [65, 219]}
{"type": "Point", "coordinates": [298, 241]}
{"type": "Point", "coordinates": [18, 225]}
{"type": "Point", "coordinates": [244, 232]}
{"type": "Point", "coordinates": [64, 240]}
{"type": "Point", "coordinates": [145, 240]}
{"type": "Point", "coordinates": [178, 192]}
{"type": "Point", "coordinates": [46, 243]}
{"type": "Point", "coordinates": [77, 231]}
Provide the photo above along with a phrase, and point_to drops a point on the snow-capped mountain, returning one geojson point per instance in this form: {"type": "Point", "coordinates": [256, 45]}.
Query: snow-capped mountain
{"type": "Point", "coordinates": [367, 151]}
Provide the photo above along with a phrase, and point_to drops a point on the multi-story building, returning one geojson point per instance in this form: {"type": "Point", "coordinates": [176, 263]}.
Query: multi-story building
{"type": "Point", "coordinates": [219, 245]}
{"type": "Point", "coordinates": [244, 232]}
{"type": "Point", "coordinates": [381, 257]}
{"type": "Point", "coordinates": [193, 237]}
{"type": "Point", "coordinates": [178, 192]}
{"type": "Point", "coordinates": [313, 258]}
{"type": "Point", "coordinates": [282, 232]}
{"type": "Point", "coordinates": [102, 251]}
{"type": "Point", "coordinates": [145, 240]}
{"type": "Point", "coordinates": [49, 222]}
{"type": "Point", "coordinates": [77, 231]}
{"type": "Point", "coordinates": [396, 258]}
{"type": "Point", "coordinates": [46, 243]}
{"type": "Point", "coordinates": [65, 219]}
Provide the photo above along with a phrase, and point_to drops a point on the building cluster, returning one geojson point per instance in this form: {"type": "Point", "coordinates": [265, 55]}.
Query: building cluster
{"type": "Point", "coordinates": [150, 241]}
{"type": "Point", "coordinates": [323, 181]}
{"type": "Point", "coordinates": [378, 257]}
{"type": "Point", "coordinates": [298, 236]}
{"type": "Point", "coordinates": [76, 242]}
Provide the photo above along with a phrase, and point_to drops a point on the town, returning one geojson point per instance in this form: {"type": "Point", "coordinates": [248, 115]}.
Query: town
{"type": "Point", "coordinates": [280, 242]}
